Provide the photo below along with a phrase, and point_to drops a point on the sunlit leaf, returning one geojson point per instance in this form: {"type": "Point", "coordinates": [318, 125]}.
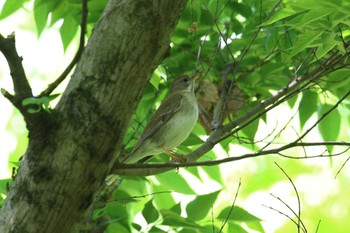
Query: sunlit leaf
{"type": "Point", "coordinates": [116, 227]}
{"type": "Point", "coordinates": [68, 30]}
{"type": "Point", "coordinates": [4, 184]}
{"type": "Point", "coordinates": [41, 14]}
{"type": "Point", "coordinates": [199, 207]}
{"type": "Point", "coordinates": [172, 219]}
{"type": "Point", "coordinates": [284, 13]}
{"type": "Point", "coordinates": [237, 214]}
{"type": "Point", "coordinates": [304, 41]}
{"type": "Point", "coordinates": [172, 181]}
{"type": "Point", "coordinates": [330, 125]}
{"type": "Point", "coordinates": [233, 227]}
{"type": "Point", "coordinates": [308, 106]}
{"type": "Point", "coordinates": [150, 213]}
{"type": "Point", "coordinates": [10, 7]}
{"type": "Point", "coordinates": [251, 129]}
{"type": "Point", "coordinates": [255, 225]}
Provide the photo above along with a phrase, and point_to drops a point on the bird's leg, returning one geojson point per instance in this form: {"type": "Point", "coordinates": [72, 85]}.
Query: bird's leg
{"type": "Point", "coordinates": [175, 156]}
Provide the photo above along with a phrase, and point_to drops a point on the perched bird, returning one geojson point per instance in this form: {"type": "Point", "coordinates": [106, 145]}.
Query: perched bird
{"type": "Point", "coordinates": [170, 125]}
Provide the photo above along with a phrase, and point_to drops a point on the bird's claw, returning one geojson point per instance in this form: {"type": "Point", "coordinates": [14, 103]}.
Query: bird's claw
{"type": "Point", "coordinates": [179, 158]}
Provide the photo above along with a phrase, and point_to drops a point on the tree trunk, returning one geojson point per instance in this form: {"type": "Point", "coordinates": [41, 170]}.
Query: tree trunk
{"type": "Point", "coordinates": [67, 162]}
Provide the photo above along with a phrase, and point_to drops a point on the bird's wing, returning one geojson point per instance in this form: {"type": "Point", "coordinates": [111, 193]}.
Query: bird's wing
{"type": "Point", "coordinates": [166, 110]}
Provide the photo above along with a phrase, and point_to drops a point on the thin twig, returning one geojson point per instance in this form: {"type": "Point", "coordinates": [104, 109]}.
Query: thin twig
{"type": "Point", "coordinates": [77, 56]}
{"type": "Point", "coordinates": [281, 213]}
{"type": "Point", "coordinates": [341, 167]}
{"type": "Point", "coordinates": [138, 197]}
{"type": "Point", "coordinates": [231, 208]}
{"type": "Point", "coordinates": [318, 226]}
{"type": "Point", "coordinates": [290, 208]}
{"type": "Point", "coordinates": [297, 194]}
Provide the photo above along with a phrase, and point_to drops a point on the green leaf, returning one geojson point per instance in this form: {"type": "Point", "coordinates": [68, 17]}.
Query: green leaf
{"type": "Point", "coordinates": [16, 164]}
{"type": "Point", "coordinates": [116, 227]}
{"type": "Point", "coordinates": [251, 129]}
{"type": "Point", "coordinates": [150, 213]}
{"type": "Point", "coordinates": [308, 106]}
{"type": "Point", "coordinates": [316, 13]}
{"type": "Point", "coordinates": [156, 230]}
{"type": "Point", "coordinates": [255, 226]}
{"type": "Point", "coordinates": [176, 208]}
{"type": "Point", "coordinates": [292, 101]}
{"type": "Point", "coordinates": [192, 140]}
{"type": "Point", "coordinates": [68, 30]}
{"type": "Point", "coordinates": [172, 181]}
{"type": "Point", "coordinates": [58, 13]}
{"type": "Point", "coordinates": [41, 15]}
{"type": "Point", "coordinates": [173, 219]}
{"type": "Point", "coordinates": [116, 210]}
{"type": "Point", "coordinates": [237, 214]}
{"type": "Point", "coordinates": [32, 100]}
{"type": "Point", "coordinates": [329, 127]}
{"type": "Point", "coordinates": [10, 7]}
{"type": "Point", "coordinates": [214, 172]}
{"type": "Point", "coordinates": [134, 186]}
{"type": "Point", "coordinates": [42, 102]}
{"type": "Point", "coordinates": [328, 44]}
{"type": "Point", "coordinates": [166, 200]}
{"type": "Point", "coordinates": [33, 110]}
{"type": "Point", "coordinates": [199, 207]}
{"type": "Point", "coordinates": [233, 227]}
{"type": "Point", "coordinates": [304, 41]}
{"type": "Point", "coordinates": [3, 185]}
{"type": "Point", "coordinates": [282, 14]}
{"type": "Point", "coordinates": [155, 80]}
{"type": "Point", "coordinates": [337, 79]}
{"type": "Point", "coordinates": [242, 9]}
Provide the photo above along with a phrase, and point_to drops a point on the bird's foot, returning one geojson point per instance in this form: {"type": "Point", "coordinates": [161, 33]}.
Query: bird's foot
{"type": "Point", "coordinates": [179, 158]}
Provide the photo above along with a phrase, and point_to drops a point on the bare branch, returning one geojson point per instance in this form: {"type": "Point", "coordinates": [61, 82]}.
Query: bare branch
{"type": "Point", "coordinates": [276, 210]}
{"type": "Point", "coordinates": [8, 96]}
{"type": "Point", "coordinates": [231, 208]}
{"type": "Point", "coordinates": [20, 83]}
{"type": "Point", "coordinates": [341, 167]}
{"type": "Point", "coordinates": [298, 215]}
{"type": "Point", "coordinates": [220, 105]}
{"type": "Point", "coordinates": [77, 56]}
{"type": "Point", "coordinates": [153, 169]}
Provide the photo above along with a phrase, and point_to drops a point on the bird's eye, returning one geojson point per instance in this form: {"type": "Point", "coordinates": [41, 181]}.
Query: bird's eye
{"type": "Point", "coordinates": [186, 80]}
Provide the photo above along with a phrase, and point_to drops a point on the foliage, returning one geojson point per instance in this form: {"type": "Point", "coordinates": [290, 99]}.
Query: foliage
{"type": "Point", "coordinates": [257, 48]}
{"type": "Point", "coordinates": [39, 103]}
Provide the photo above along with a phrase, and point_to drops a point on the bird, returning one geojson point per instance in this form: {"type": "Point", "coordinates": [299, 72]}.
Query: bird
{"type": "Point", "coordinates": [170, 125]}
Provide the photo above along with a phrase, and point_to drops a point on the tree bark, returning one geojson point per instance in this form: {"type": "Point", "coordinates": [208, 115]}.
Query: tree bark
{"type": "Point", "coordinates": [66, 163]}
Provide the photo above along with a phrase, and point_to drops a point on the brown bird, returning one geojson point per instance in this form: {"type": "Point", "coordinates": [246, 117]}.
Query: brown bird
{"type": "Point", "coordinates": [170, 125]}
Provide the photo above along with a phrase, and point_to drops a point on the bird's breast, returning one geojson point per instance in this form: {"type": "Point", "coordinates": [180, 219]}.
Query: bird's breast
{"type": "Point", "coordinates": [182, 123]}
